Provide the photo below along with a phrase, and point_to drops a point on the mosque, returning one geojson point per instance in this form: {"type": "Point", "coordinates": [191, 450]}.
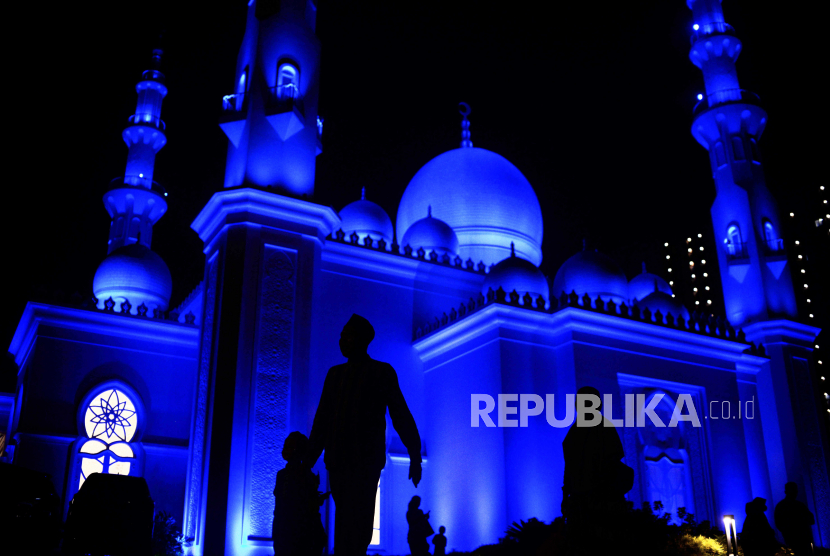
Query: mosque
{"type": "Point", "coordinates": [198, 399]}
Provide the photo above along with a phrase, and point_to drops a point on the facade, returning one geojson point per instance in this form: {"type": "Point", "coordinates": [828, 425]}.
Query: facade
{"type": "Point", "coordinates": [198, 399]}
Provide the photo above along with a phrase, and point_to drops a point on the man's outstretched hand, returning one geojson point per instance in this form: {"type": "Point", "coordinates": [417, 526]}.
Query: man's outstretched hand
{"type": "Point", "coordinates": [415, 472]}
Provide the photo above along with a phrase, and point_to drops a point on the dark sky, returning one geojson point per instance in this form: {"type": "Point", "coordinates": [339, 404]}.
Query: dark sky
{"type": "Point", "coordinates": [590, 100]}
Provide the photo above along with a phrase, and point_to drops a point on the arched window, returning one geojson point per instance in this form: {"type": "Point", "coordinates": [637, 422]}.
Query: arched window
{"type": "Point", "coordinates": [774, 243]}
{"type": "Point", "coordinates": [756, 155]}
{"type": "Point", "coordinates": [110, 422]}
{"type": "Point", "coordinates": [665, 460]}
{"type": "Point", "coordinates": [720, 155]}
{"type": "Point", "coordinates": [734, 242]}
{"type": "Point", "coordinates": [288, 81]}
{"type": "Point", "coordinates": [241, 88]}
{"type": "Point", "coordinates": [738, 148]}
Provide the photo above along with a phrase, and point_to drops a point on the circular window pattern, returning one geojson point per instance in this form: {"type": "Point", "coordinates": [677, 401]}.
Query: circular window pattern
{"type": "Point", "coordinates": [111, 417]}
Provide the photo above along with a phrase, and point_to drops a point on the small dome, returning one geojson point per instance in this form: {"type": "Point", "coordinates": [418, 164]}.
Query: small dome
{"type": "Point", "coordinates": [665, 303]}
{"type": "Point", "coordinates": [516, 273]}
{"type": "Point", "coordinates": [366, 219]}
{"type": "Point", "coordinates": [433, 235]}
{"type": "Point", "coordinates": [593, 273]}
{"type": "Point", "coordinates": [136, 274]}
{"type": "Point", "coordinates": [645, 284]}
{"type": "Point", "coordinates": [484, 198]}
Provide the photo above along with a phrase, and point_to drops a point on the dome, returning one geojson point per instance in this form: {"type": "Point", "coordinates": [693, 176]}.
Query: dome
{"type": "Point", "coordinates": [516, 273]}
{"type": "Point", "coordinates": [645, 284]}
{"type": "Point", "coordinates": [366, 219]}
{"type": "Point", "coordinates": [665, 303]}
{"type": "Point", "coordinates": [433, 235]}
{"type": "Point", "coordinates": [484, 198]}
{"type": "Point", "coordinates": [593, 273]}
{"type": "Point", "coordinates": [136, 274]}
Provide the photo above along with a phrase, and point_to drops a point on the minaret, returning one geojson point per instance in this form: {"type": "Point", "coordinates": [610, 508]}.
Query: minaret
{"type": "Point", "coordinates": [728, 122]}
{"type": "Point", "coordinates": [757, 286]}
{"type": "Point", "coordinates": [262, 245]}
{"type": "Point", "coordinates": [133, 278]}
{"type": "Point", "coordinates": [270, 118]}
{"type": "Point", "coordinates": [136, 202]}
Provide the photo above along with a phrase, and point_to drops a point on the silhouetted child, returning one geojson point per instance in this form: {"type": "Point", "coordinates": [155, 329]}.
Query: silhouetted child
{"type": "Point", "coordinates": [440, 542]}
{"type": "Point", "coordinates": [757, 537]}
{"type": "Point", "coordinates": [795, 521]}
{"type": "Point", "coordinates": [419, 528]}
{"type": "Point", "coordinates": [297, 529]}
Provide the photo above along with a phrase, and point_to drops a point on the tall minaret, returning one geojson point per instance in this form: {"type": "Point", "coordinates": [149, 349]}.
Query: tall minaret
{"type": "Point", "coordinates": [757, 286]}
{"type": "Point", "coordinates": [135, 201]}
{"type": "Point", "coordinates": [270, 118]}
{"type": "Point", "coordinates": [728, 122]}
{"type": "Point", "coordinates": [132, 273]}
{"type": "Point", "coordinates": [263, 244]}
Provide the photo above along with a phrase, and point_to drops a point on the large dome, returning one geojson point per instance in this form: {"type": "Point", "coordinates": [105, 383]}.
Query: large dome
{"type": "Point", "coordinates": [593, 273]}
{"type": "Point", "coordinates": [484, 198]}
{"type": "Point", "coordinates": [516, 273]}
{"type": "Point", "coordinates": [136, 274]}
{"type": "Point", "coordinates": [432, 234]}
{"type": "Point", "coordinates": [366, 219]}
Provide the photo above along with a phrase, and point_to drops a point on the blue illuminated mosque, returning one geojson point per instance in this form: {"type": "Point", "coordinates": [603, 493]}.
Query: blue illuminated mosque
{"type": "Point", "coordinates": [198, 399]}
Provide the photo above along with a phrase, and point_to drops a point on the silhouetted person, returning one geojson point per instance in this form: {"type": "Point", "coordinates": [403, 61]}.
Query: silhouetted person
{"type": "Point", "coordinates": [350, 425]}
{"type": "Point", "coordinates": [440, 542]}
{"type": "Point", "coordinates": [593, 493]}
{"type": "Point", "coordinates": [592, 466]}
{"type": "Point", "coordinates": [795, 521]}
{"type": "Point", "coordinates": [757, 537]}
{"type": "Point", "coordinates": [297, 529]}
{"type": "Point", "coordinates": [419, 528]}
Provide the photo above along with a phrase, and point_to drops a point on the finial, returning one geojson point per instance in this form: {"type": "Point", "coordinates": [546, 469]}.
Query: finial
{"type": "Point", "coordinates": [464, 109]}
{"type": "Point", "coordinates": [363, 193]}
{"type": "Point", "coordinates": [584, 244]}
{"type": "Point", "coordinates": [644, 267]}
{"type": "Point", "coordinates": [512, 249]}
{"type": "Point", "coordinates": [429, 211]}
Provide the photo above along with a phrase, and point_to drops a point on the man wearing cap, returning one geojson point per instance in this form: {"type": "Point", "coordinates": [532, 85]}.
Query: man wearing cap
{"type": "Point", "coordinates": [350, 425]}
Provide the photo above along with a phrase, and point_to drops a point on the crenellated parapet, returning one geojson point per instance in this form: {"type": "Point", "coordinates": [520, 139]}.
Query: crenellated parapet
{"type": "Point", "coordinates": [408, 251]}
{"type": "Point", "coordinates": [698, 323]}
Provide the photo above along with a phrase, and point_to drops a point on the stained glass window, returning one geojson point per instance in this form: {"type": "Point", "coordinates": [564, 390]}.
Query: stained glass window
{"type": "Point", "coordinates": [110, 423]}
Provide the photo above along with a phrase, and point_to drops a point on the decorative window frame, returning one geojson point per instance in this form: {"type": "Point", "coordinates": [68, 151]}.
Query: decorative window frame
{"type": "Point", "coordinates": [77, 456]}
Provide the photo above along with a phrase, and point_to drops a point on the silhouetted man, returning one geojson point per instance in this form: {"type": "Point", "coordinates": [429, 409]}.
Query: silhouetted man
{"type": "Point", "coordinates": [593, 469]}
{"type": "Point", "coordinates": [350, 425]}
{"type": "Point", "coordinates": [794, 521]}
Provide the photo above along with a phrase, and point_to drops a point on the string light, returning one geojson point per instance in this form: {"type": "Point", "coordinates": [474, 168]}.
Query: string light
{"type": "Point", "coordinates": [701, 248]}
{"type": "Point", "coordinates": [705, 275]}
{"type": "Point", "coordinates": [666, 244]}
{"type": "Point", "coordinates": [699, 235]}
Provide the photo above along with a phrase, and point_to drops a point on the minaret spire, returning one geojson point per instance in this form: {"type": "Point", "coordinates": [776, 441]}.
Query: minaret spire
{"type": "Point", "coordinates": [728, 122]}
{"type": "Point", "coordinates": [465, 110]}
{"type": "Point", "coordinates": [135, 202]}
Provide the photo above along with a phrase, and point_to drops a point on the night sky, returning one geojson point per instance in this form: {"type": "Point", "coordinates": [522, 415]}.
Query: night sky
{"type": "Point", "coordinates": [590, 100]}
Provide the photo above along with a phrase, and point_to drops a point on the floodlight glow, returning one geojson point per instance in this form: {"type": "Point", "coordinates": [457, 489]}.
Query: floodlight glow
{"type": "Point", "coordinates": [731, 535]}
